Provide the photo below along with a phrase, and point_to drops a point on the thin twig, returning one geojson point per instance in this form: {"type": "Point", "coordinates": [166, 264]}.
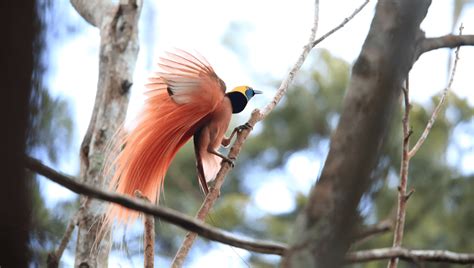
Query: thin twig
{"type": "Point", "coordinates": [257, 115]}
{"type": "Point", "coordinates": [402, 200]}
{"type": "Point", "coordinates": [372, 230]}
{"type": "Point", "coordinates": [436, 111]}
{"type": "Point", "coordinates": [55, 256]}
{"type": "Point", "coordinates": [149, 241]}
{"type": "Point", "coordinates": [166, 214]}
{"type": "Point", "coordinates": [410, 255]}
{"type": "Point", "coordinates": [344, 22]}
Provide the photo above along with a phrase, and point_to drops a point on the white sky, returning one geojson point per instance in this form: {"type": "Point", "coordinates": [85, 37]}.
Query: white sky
{"type": "Point", "coordinates": [272, 38]}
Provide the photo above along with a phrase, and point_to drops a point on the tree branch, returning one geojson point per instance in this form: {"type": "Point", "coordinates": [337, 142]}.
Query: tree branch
{"type": "Point", "coordinates": [434, 115]}
{"type": "Point", "coordinates": [166, 214]}
{"type": "Point", "coordinates": [409, 254]}
{"type": "Point", "coordinates": [447, 41]}
{"type": "Point", "coordinates": [149, 240]}
{"type": "Point", "coordinates": [402, 188]}
{"type": "Point", "coordinates": [343, 23]}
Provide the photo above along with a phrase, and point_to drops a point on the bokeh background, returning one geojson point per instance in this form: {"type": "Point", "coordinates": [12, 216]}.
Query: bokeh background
{"type": "Point", "coordinates": [255, 43]}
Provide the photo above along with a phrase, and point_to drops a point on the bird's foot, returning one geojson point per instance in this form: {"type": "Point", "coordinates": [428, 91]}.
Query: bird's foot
{"type": "Point", "coordinates": [230, 161]}
{"type": "Point", "coordinates": [244, 126]}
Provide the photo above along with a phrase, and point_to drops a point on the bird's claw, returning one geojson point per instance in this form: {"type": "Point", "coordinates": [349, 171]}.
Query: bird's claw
{"type": "Point", "coordinates": [244, 126]}
{"type": "Point", "coordinates": [230, 161]}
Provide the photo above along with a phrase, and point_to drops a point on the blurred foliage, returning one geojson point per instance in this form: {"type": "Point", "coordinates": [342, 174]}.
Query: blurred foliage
{"type": "Point", "coordinates": [49, 136]}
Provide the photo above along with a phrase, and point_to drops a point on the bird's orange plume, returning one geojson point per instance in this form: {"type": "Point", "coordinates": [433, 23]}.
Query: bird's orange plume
{"type": "Point", "coordinates": [179, 98]}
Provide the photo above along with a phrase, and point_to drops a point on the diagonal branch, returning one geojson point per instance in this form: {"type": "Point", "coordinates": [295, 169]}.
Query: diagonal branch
{"type": "Point", "coordinates": [428, 127]}
{"type": "Point", "coordinates": [166, 214]}
{"type": "Point", "coordinates": [256, 116]}
{"type": "Point", "coordinates": [343, 23]}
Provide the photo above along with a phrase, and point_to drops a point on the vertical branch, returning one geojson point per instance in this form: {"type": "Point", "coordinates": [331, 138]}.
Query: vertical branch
{"type": "Point", "coordinates": [149, 241]}
{"type": "Point", "coordinates": [118, 24]}
{"type": "Point", "coordinates": [407, 154]}
{"type": "Point", "coordinates": [402, 188]}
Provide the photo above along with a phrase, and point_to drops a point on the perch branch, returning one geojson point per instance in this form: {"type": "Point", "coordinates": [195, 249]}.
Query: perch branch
{"type": "Point", "coordinates": [430, 123]}
{"type": "Point", "coordinates": [256, 116]}
{"type": "Point", "coordinates": [166, 214]}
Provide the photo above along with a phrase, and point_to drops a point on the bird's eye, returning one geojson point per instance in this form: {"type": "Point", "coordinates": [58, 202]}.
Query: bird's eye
{"type": "Point", "coordinates": [249, 93]}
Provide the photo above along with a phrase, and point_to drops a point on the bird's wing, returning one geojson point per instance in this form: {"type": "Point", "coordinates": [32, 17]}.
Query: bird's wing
{"type": "Point", "coordinates": [189, 79]}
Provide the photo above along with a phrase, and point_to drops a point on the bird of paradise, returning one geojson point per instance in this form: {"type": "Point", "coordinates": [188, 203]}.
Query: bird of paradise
{"type": "Point", "coordinates": [184, 99]}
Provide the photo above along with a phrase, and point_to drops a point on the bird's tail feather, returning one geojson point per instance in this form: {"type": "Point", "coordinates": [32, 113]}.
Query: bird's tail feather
{"type": "Point", "coordinates": [146, 152]}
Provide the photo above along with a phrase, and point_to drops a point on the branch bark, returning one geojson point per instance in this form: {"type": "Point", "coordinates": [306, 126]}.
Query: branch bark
{"type": "Point", "coordinates": [118, 24]}
{"type": "Point", "coordinates": [410, 255]}
{"type": "Point", "coordinates": [447, 41]}
{"type": "Point", "coordinates": [325, 228]}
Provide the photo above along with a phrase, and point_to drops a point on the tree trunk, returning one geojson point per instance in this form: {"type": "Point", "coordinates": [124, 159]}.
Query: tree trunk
{"type": "Point", "coordinates": [20, 50]}
{"type": "Point", "coordinates": [118, 24]}
{"type": "Point", "coordinates": [324, 230]}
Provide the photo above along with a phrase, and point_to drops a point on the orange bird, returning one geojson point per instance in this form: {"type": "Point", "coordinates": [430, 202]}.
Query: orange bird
{"type": "Point", "coordinates": [185, 99]}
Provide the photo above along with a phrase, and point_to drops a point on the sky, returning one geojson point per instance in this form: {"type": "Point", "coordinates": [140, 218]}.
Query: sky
{"type": "Point", "coordinates": [270, 36]}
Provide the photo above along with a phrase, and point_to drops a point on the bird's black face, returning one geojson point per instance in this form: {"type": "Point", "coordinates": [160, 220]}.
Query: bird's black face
{"type": "Point", "coordinates": [240, 96]}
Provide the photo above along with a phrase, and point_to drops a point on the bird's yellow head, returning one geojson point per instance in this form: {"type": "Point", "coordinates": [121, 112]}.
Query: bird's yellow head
{"type": "Point", "coordinates": [240, 96]}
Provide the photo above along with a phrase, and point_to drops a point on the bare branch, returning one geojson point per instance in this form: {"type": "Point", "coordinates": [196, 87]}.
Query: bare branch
{"type": "Point", "coordinates": [149, 241]}
{"type": "Point", "coordinates": [369, 231]}
{"type": "Point", "coordinates": [55, 256]}
{"type": "Point", "coordinates": [402, 188]}
{"type": "Point", "coordinates": [428, 127]}
{"type": "Point", "coordinates": [447, 41]}
{"type": "Point", "coordinates": [344, 22]}
{"type": "Point", "coordinates": [296, 67]}
{"type": "Point", "coordinates": [411, 255]}
{"type": "Point", "coordinates": [166, 214]}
